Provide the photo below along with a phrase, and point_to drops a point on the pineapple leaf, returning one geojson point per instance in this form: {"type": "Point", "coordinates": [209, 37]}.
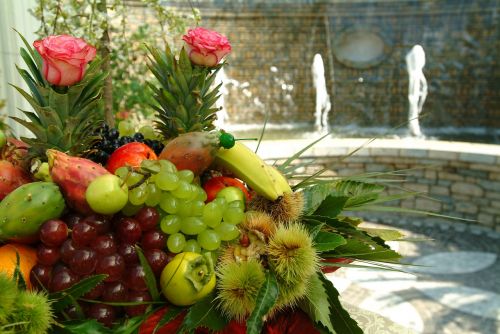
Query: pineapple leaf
{"type": "Point", "coordinates": [181, 80]}
{"type": "Point", "coordinates": [34, 54]}
{"type": "Point", "coordinates": [32, 127]}
{"type": "Point", "coordinates": [54, 134]}
{"type": "Point", "coordinates": [35, 71]}
{"type": "Point", "coordinates": [185, 63]}
{"type": "Point", "coordinates": [32, 85]}
{"type": "Point", "coordinates": [59, 103]}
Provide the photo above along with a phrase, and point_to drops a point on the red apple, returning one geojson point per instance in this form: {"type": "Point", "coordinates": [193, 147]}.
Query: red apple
{"type": "Point", "coordinates": [131, 154]}
{"type": "Point", "coordinates": [216, 184]}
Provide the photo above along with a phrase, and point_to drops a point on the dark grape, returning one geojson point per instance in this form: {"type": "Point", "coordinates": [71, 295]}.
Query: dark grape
{"type": "Point", "coordinates": [135, 278]}
{"type": "Point", "coordinates": [115, 292]}
{"type": "Point", "coordinates": [83, 233]}
{"type": "Point", "coordinates": [129, 230]}
{"type": "Point", "coordinates": [137, 296]}
{"type": "Point", "coordinates": [67, 251]}
{"type": "Point", "coordinates": [138, 137]}
{"type": "Point", "coordinates": [102, 224]}
{"type": "Point", "coordinates": [157, 260]}
{"type": "Point", "coordinates": [128, 252]}
{"type": "Point", "coordinates": [112, 265]}
{"type": "Point", "coordinates": [113, 133]}
{"type": "Point", "coordinates": [53, 232]}
{"type": "Point", "coordinates": [63, 279]}
{"type": "Point", "coordinates": [48, 255]}
{"type": "Point", "coordinates": [104, 244]}
{"type": "Point", "coordinates": [148, 217]}
{"type": "Point", "coordinates": [153, 240]}
{"type": "Point", "coordinates": [40, 276]}
{"type": "Point", "coordinates": [103, 313]}
{"type": "Point", "coordinates": [72, 218]}
{"type": "Point", "coordinates": [84, 261]}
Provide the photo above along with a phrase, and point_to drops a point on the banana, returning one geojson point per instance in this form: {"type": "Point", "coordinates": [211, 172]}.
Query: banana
{"type": "Point", "coordinates": [250, 168]}
{"type": "Point", "coordinates": [280, 182]}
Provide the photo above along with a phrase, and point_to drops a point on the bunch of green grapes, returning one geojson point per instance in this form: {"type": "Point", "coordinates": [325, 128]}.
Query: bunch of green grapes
{"type": "Point", "coordinates": [192, 224]}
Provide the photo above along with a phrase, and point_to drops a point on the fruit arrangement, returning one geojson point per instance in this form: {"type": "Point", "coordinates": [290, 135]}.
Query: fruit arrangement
{"type": "Point", "coordinates": [181, 228]}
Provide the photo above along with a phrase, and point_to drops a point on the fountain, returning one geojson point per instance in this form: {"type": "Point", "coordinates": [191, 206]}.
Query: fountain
{"type": "Point", "coordinates": [417, 90]}
{"type": "Point", "coordinates": [323, 104]}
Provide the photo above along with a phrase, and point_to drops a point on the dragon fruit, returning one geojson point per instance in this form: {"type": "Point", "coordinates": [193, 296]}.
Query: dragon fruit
{"type": "Point", "coordinates": [73, 175]}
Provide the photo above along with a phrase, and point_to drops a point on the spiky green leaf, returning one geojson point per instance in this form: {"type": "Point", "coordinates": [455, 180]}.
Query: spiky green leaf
{"type": "Point", "coordinates": [339, 317]}
{"type": "Point", "coordinates": [316, 303]}
{"type": "Point", "coordinates": [204, 314]}
{"type": "Point", "coordinates": [264, 302]}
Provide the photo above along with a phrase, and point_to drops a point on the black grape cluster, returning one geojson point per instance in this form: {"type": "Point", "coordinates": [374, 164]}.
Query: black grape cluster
{"type": "Point", "coordinates": [109, 140]}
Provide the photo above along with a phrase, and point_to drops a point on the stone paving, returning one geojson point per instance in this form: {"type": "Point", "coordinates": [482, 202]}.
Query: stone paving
{"type": "Point", "coordinates": [454, 289]}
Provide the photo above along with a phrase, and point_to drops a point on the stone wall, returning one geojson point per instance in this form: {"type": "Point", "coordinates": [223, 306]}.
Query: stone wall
{"type": "Point", "coordinates": [274, 43]}
{"type": "Point", "coordinates": [456, 179]}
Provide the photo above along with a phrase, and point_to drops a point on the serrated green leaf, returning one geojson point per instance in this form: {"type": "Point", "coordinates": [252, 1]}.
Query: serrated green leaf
{"type": "Point", "coordinates": [366, 251]}
{"type": "Point", "coordinates": [327, 241]}
{"type": "Point", "coordinates": [316, 303]}
{"type": "Point", "coordinates": [61, 299]}
{"type": "Point", "coordinates": [384, 234]}
{"type": "Point", "coordinates": [149, 276]}
{"type": "Point", "coordinates": [315, 195]}
{"type": "Point", "coordinates": [204, 314]}
{"type": "Point", "coordinates": [91, 326]}
{"type": "Point", "coordinates": [313, 227]}
{"type": "Point", "coordinates": [331, 206]}
{"type": "Point", "coordinates": [129, 326]}
{"type": "Point", "coordinates": [264, 302]}
{"type": "Point", "coordinates": [340, 319]}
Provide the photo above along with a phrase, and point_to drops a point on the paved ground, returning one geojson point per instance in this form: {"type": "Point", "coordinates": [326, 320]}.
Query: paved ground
{"type": "Point", "coordinates": [455, 290]}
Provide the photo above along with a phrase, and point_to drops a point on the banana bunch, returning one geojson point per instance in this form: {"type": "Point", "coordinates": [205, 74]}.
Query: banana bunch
{"type": "Point", "coordinates": [266, 180]}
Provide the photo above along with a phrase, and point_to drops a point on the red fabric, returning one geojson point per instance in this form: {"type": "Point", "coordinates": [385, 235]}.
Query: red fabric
{"type": "Point", "coordinates": [328, 269]}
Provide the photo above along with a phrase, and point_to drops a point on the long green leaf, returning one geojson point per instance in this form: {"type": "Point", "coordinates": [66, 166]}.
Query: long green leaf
{"type": "Point", "coordinates": [315, 195]}
{"type": "Point", "coordinates": [332, 206]}
{"type": "Point", "coordinates": [204, 313]}
{"type": "Point", "coordinates": [341, 320]}
{"type": "Point", "coordinates": [68, 296]}
{"type": "Point", "coordinates": [299, 153]}
{"type": "Point", "coordinates": [327, 241]}
{"type": "Point", "coordinates": [265, 300]}
{"type": "Point", "coordinates": [149, 275]}
{"type": "Point", "coordinates": [316, 303]}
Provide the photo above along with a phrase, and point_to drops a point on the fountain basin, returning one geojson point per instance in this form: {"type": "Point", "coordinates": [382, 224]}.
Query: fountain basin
{"type": "Point", "coordinates": [459, 179]}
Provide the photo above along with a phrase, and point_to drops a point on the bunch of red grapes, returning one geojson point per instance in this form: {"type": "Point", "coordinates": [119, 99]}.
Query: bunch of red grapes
{"type": "Point", "coordinates": [77, 247]}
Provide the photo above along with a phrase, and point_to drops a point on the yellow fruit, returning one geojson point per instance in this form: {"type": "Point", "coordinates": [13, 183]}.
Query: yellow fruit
{"type": "Point", "coordinates": [188, 278]}
{"type": "Point", "coordinates": [8, 260]}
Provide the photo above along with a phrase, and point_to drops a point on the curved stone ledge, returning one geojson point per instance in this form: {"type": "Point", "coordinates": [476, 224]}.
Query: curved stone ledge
{"type": "Point", "coordinates": [459, 179]}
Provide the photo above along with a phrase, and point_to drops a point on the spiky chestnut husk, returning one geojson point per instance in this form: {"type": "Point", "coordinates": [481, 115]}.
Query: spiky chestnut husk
{"type": "Point", "coordinates": [289, 294]}
{"type": "Point", "coordinates": [238, 286]}
{"type": "Point", "coordinates": [259, 221]}
{"type": "Point", "coordinates": [285, 209]}
{"type": "Point", "coordinates": [291, 254]}
{"type": "Point", "coordinates": [8, 296]}
{"type": "Point", "coordinates": [33, 312]}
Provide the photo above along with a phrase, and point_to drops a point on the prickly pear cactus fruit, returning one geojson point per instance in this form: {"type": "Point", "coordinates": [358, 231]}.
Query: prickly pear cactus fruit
{"type": "Point", "coordinates": [11, 177]}
{"type": "Point", "coordinates": [73, 175]}
{"type": "Point", "coordinates": [25, 209]}
{"type": "Point", "coordinates": [194, 151]}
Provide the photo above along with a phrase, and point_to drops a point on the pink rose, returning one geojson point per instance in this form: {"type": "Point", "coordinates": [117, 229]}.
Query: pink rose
{"type": "Point", "coordinates": [206, 47]}
{"type": "Point", "coordinates": [65, 58]}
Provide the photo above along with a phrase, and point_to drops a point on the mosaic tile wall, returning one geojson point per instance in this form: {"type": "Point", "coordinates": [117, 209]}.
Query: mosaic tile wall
{"type": "Point", "coordinates": [274, 43]}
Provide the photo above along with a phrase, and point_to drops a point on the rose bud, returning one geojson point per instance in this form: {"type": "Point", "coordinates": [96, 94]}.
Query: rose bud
{"type": "Point", "coordinates": [65, 58]}
{"type": "Point", "coordinates": [206, 47]}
